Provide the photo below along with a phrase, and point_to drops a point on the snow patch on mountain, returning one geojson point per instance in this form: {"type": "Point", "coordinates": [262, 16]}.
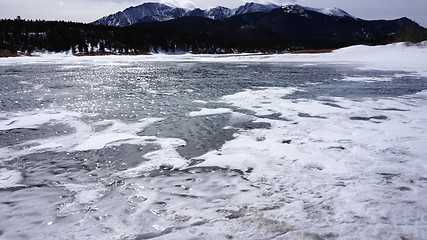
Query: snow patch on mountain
{"type": "Point", "coordinates": [337, 12]}
{"type": "Point", "coordinates": [297, 9]}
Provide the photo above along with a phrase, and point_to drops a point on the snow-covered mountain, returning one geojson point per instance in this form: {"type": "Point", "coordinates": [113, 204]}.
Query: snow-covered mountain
{"type": "Point", "coordinates": [144, 12]}
{"type": "Point", "coordinates": [161, 12]}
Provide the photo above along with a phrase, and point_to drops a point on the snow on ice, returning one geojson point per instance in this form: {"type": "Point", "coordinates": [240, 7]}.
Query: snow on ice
{"type": "Point", "coordinates": [327, 168]}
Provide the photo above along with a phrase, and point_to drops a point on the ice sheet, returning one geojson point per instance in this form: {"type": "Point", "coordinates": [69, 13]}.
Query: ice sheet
{"type": "Point", "coordinates": [326, 168]}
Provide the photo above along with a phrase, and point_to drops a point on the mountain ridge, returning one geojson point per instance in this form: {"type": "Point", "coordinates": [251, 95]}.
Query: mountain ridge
{"type": "Point", "coordinates": [151, 11]}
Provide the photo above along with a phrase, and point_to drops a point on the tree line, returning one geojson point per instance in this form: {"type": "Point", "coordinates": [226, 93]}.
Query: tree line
{"type": "Point", "coordinates": [197, 35]}
{"type": "Point", "coordinates": [57, 36]}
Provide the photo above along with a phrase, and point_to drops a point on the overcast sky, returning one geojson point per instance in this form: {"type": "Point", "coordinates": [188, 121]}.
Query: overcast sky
{"type": "Point", "coordinates": [90, 10]}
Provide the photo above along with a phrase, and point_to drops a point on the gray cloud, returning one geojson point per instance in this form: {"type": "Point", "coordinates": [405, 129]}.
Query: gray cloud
{"type": "Point", "coordinates": [182, 4]}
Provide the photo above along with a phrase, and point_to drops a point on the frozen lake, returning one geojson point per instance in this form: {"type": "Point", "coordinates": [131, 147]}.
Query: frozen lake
{"type": "Point", "coordinates": [141, 148]}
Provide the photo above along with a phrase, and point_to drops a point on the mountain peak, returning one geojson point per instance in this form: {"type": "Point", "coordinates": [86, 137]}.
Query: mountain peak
{"type": "Point", "coordinates": [255, 7]}
{"type": "Point", "coordinates": [220, 13]}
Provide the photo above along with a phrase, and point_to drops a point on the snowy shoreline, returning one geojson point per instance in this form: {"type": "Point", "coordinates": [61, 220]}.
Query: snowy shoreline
{"type": "Point", "coordinates": [398, 56]}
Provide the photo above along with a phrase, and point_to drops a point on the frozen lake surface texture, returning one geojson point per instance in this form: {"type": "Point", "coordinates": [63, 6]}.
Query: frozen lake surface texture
{"type": "Point", "coordinates": [325, 146]}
